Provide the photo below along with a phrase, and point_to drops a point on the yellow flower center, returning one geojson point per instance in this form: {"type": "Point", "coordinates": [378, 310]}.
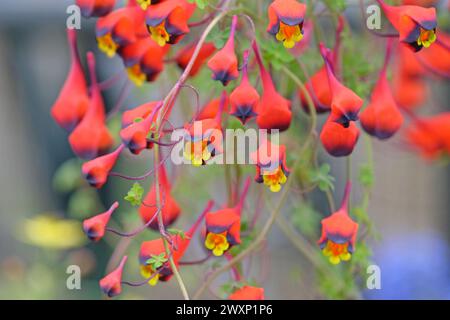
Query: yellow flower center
{"type": "Point", "coordinates": [289, 35]}
{"type": "Point", "coordinates": [275, 179]}
{"type": "Point", "coordinates": [159, 34]}
{"type": "Point", "coordinates": [336, 252]}
{"type": "Point", "coordinates": [197, 152]}
{"type": "Point", "coordinates": [426, 38]}
{"type": "Point", "coordinates": [218, 243]}
{"type": "Point", "coordinates": [107, 45]}
{"type": "Point", "coordinates": [147, 272]}
{"type": "Point", "coordinates": [144, 3]}
{"type": "Point", "coordinates": [136, 75]}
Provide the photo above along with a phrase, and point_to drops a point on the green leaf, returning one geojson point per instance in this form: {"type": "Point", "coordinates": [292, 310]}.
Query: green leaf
{"type": "Point", "coordinates": [366, 175]}
{"type": "Point", "coordinates": [219, 37]}
{"type": "Point", "coordinates": [157, 261]}
{"type": "Point", "coordinates": [134, 195]}
{"type": "Point", "coordinates": [83, 203]}
{"type": "Point", "coordinates": [178, 232]}
{"type": "Point", "coordinates": [68, 176]}
{"type": "Point", "coordinates": [322, 177]}
{"type": "Point", "coordinates": [276, 53]}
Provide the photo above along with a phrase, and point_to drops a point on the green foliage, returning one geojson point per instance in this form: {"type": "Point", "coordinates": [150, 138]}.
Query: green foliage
{"type": "Point", "coordinates": [176, 232]}
{"type": "Point", "coordinates": [134, 195]}
{"type": "Point", "coordinates": [366, 175]}
{"type": "Point", "coordinates": [157, 261]}
{"type": "Point", "coordinates": [276, 53]}
{"type": "Point", "coordinates": [306, 219]}
{"type": "Point", "coordinates": [83, 203]}
{"type": "Point", "coordinates": [219, 36]}
{"type": "Point", "coordinates": [67, 177]}
{"type": "Point", "coordinates": [336, 6]}
{"type": "Point", "coordinates": [322, 177]}
{"type": "Point", "coordinates": [201, 4]}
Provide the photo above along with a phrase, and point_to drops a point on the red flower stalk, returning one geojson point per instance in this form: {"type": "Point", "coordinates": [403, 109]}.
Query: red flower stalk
{"type": "Point", "coordinates": [339, 233]}
{"type": "Point", "coordinates": [167, 21]}
{"type": "Point", "coordinates": [136, 135]}
{"type": "Point", "coordinates": [223, 227]}
{"type": "Point", "coordinates": [73, 99]}
{"type": "Point", "coordinates": [139, 113]}
{"type": "Point", "coordinates": [119, 28]}
{"type": "Point", "coordinates": [95, 8]}
{"type": "Point", "coordinates": [111, 284]}
{"type": "Point", "coordinates": [430, 136]}
{"type": "Point", "coordinates": [244, 99]}
{"type": "Point", "coordinates": [318, 85]}
{"type": "Point", "coordinates": [345, 104]}
{"type": "Point", "coordinates": [95, 227]}
{"type": "Point", "coordinates": [247, 293]}
{"type": "Point", "coordinates": [416, 25]}
{"type": "Point", "coordinates": [91, 137]}
{"type": "Point", "coordinates": [286, 21]}
{"type": "Point", "coordinates": [203, 139]}
{"type": "Point", "coordinates": [184, 56]}
{"type": "Point", "coordinates": [155, 247]}
{"type": "Point", "coordinates": [170, 209]}
{"type": "Point", "coordinates": [271, 168]}
{"type": "Point", "coordinates": [338, 140]}
{"type": "Point", "coordinates": [212, 108]}
{"type": "Point", "coordinates": [97, 170]}
{"type": "Point", "coordinates": [143, 59]}
{"type": "Point", "coordinates": [382, 118]}
{"type": "Point", "coordinates": [224, 64]}
{"type": "Point", "coordinates": [274, 111]}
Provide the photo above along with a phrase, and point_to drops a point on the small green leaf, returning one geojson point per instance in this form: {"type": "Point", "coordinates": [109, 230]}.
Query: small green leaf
{"type": "Point", "coordinates": [322, 177]}
{"type": "Point", "coordinates": [157, 261]}
{"type": "Point", "coordinates": [366, 175]}
{"type": "Point", "coordinates": [134, 195]}
{"type": "Point", "coordinates": [178, 232]}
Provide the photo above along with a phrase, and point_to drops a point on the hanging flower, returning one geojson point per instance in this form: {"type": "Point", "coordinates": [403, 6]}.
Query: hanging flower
{"type": "Point", "coordinates": [95, 8]}
{"type": "Point", "coordinates": [111, 284]}
{"type": "Point", "coordinates": [212, 108]}
{"type": "Point", "coordinates": [139, 113]}
{"type": "Point", "coordinates": [95, 227]}
{"type": "Point", "coordinates": [247, 293]}
{"type": "Point", "coordinates": [286, 21]}
{"type": "Point", "coordinates": [73, 99]}
{"type": "Point", "coordinates": [184, 56]}
{"type": "Point", "coordinates": [244, 99]}
{"type": "Point", "coordinates": [224, 64]}
{"type": "Point", "coordinates": [436, 59]}
{"type": "Point", "coordinates": [96, 171]}
{"type": "Point", "coordinates": [91, 136]}
{"type": "Point", "coordinates": [339, 233]}
{"type": "Point", "coordinates": [337, 139]}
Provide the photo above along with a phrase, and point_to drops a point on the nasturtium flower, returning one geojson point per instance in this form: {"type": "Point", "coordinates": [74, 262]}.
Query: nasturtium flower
{"type": "Point", "coordinates": [95, 227]}
{"type": "Point", "coordinates": [337, 139]}
{"type": "Point", "coordinates": [339, 233]}
{"type": "Point", "coordinates": [95, 8]}
{"type": "Point", "coordinates": [286, 19]}
{"type": "Point", "coordinates": [97, 170]}
{"type": "Point", "coordinates": [111, 284]}
{"type": "Point", "coordinates": [143, 60]}
{"type": "Point", "coordinates": [436, 59]}
{"type": "Point", "coordinates": [155, 248]}
{"type": "Point", "coordinates": [170, 209]}
{"type": "Point", "coordinates": [247, 293]}
{"type": "Point", "coordinates": [223, 227]}
{"type": "Point", "coordinates": [139, 113]}
{"type": "Point", "coordinates": [167, 21]}
{"type": "Point", "coordinates": [224, 63]}
{"type": "Point", "coordinates": [274, 111]}
{"type": "Point", "coordinates": [119, 28]}
{"type": "Point", "coordinates": [145, 4]}
{"type": "Point", "coordinates": [382, 117]}
{"type": "Point", "coordinates": [91, 137]}
{"type": "Point", "coordinates": [345, 104]}
{"type": "Point", "coordinates": [416, 25]}
{"type": "Point", "coordinates": [184, 56]}
{"type": "Point", "coordinates": [73, 99]}
{"type": "Point", "coordinates": [271, 168]}
{"type": "Point", "coordinates": [244, 99]}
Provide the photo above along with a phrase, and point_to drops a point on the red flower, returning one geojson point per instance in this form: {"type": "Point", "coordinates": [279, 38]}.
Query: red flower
{"type": "Point", "coordinates": [184, 56]}
{"type": "Point", "coordinates": [144, 4]}
{"type": "Point", "coordinates": [139, 113]}
{"type": "Point", "coordinates": [91, 137]}
{"type": "Point", "coordinates": [271, 166]}
{"type": "Point", "coordinates": [437, 58]}
{"type": "Point", "coordinates": [212, 108]}
{"type": "Point", "coordinates": [244, 99]}
{"type": "Point", "coordinates": [247, 293]}
{"type": "Point", "coordinates": [224, 64]}
{"type": "Point", "coordinates": [143, 60]}
{"type": "Point", "coordinates": [170, 209]}
{"type": "Point", "coordinates": [95, 227]}
{"type": "Point", "coordinates": [416, 25]}
{"type": "Point", "coordinates": [345, 104]}
{"type": "Point", "coordinates": [382, 118]}
{"type": "Point", "coordinates": [95, 8]}
{"type": "Point", "coordinates": [119, 28]}
{"type": "Point", "coordinates": [339, 233]}
{"type": "Point", "coordinates": [274, 111]}
{"type": "Point", "coordinates": [223, 227]}
{"type": "Point", "coordinates": [155, 247]}
{"type": "Point", "coordinates": [338, 140]}
{"type": "Point", "coordinates": [111, 283]}
{"type": "Point", "coordinates": [135, 135]}
{"type": "Point", "coordinates": [73, 99]}
{"type": "Point", "coordinates": [286, 21]}
{"type": "Point", "coordinates": [167, 21]}
{"type": "Point", "coordinates": [96, 171]}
